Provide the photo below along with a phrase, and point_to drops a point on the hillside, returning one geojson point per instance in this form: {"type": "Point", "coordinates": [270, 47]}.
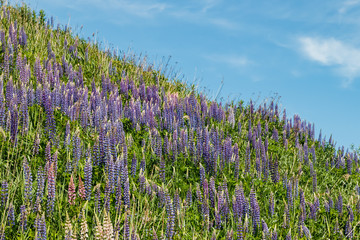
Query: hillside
{"type": "Point", "coordinates": [100, 146]}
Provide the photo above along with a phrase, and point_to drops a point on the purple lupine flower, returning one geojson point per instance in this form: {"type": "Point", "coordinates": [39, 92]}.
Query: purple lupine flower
{"type": "Point", "coordinates": [97, 198]}
{"type": "Point", "coordinates": [274, 235]}
{"type": "Point", "coordinates": [28, 180]}
{"type": "Point", "coordinates": [339, 204]}
{"type": "Point", "coordinates": [76, 151]}
{"type": "Point", "coordinates": [127, 194]}
{"type": "Point", "coordinates": [11, 215]}
{"type": "Point", "coordinates": [126, 227]}
{"type": "Point", "coordinates": [40, 184]}
{"type": "Point", "coordinates": [348, 230]}
{"type": "Point", "coordinates": [274, 170]}
{"type": "Point", "coordinates": [265, 229]}
{"type": "Point", "coordinates": [170, 225]}
{"type": "Point", "coordinates": [326, 206]}
{"type": "Point", "coordinates": [189, 197]}
{"type": "Point", "coordinates": [275, 135]}
{"type": "Point", "coordinates": [239, 229]}
{"type": "Point", "coordinates": [23, 218]}
{"type": "Point", "coordinates": [306, 231]}
{"type": "Point", "coordinates": [14, 124]}
{"type": "Point", "coordinates": [202, 174]}
{"type": "Point", "coordinates": [118, 195]}
{"type": "Point", "coordinates": [51, 189]}
{"type": "Point", "coordinates": [255, 211]}
{"type": "Point", "coordinates": [289, 194]}
{"type": "Point", "coordinates": [95, 153]}
{"type": "Point", "coordinates": [88, 178]}
{"type": "Point", "coordinates": [217, 219]}
{"type": "Point", "coordinates": [237, 167]}
{"type": "Point", "coordinates": [348, 164]}
{"type": "Point", "coordinates": [40, 226]}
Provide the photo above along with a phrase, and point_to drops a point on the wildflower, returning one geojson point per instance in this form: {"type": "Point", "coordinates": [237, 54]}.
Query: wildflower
{"type": "Point", "coordinates": [71, 191]}
{"type": "Point", "coordinates": [81, 189]}
{"type": "Point", "coordinates": [51, 189]}
{"type": "Point", "coordinates": [88, 178]}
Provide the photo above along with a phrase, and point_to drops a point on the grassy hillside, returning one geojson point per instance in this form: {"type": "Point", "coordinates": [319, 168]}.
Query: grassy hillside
{"type": "Point", "coordinates": [99, 146]}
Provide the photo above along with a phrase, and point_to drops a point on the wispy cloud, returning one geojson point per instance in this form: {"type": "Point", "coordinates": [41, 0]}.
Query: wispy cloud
{"type": "Point", "coordinates": [332, 52]}
{"type": "Point", "coordinates": [347, 5]}
{"type": "Point", "coordinates": [223, 23]}
{"type": "Point", "coordinates": [140, 8]}
{"type": "Point", "coordinates": [231, 60]}
{"type": "Point", "coordinates": [208, 4]}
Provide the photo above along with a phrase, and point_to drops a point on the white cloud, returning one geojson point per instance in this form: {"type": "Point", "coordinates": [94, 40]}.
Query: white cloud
{"type": "Point", "coordinates": [332, 52]}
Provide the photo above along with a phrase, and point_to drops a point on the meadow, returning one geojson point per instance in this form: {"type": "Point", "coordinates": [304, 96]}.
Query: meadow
{"type": "Point", "coordinates": [100, 146]}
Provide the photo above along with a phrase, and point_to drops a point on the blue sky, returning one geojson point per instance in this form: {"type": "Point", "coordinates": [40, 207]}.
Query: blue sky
{"type": "Point", "coordinates": [306, 52]}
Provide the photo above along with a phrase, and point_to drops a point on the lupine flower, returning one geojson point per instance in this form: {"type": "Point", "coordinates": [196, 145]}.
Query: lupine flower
{"type": "Point", "coordinates": [255, 211]}
{"type": "Point", "coordinates": [71, 191]}
{"type": "Point", "coordinates": [51, 189]}
{"type": "Point", "coordinates": [339, 204]}
{"type": "Point", "coordinates": [133, 166]}
{"type": "Point", "coordinates": [99, 233]}
{"type": "Point", "coordinates": [40, 226]}
{"type": "Point", "coordinates": [97, 198]}
{"type": "Point", "coordinates": [76, 150]}
{"type": "Point", "coordinates": [275, 135]}
{"type": "Point", "coordinates": [202, 174]}
{"type": "Point", "coordinates": [189, 197]}
{"type": "Point", "coordinates": [28, 180]}
{"type": "Point", "coordinates": [348, 230]}
{"type": "Point", "coordinates": [288, 236]}
{"type": "Point", "coordinates": [170, 218]}
{"type": "Point", "coordinates": [306, 231]}
{"type": "Point", "coordinates": [23, 218]}
{"type": "Point", "coordinates": [81, 189]}
{"type": "Point", "coordinates": [108, 230]}
{"type": "Point", "coordinates": [126, 228]}
{"type": "Point", "coordinates": [88, 178]}
{"type": "Point", "coordinates": [68, 228]}
{"type": "Point", "coordinates": [11, 215]}
{"type": "Point", "coordinates": [274, 235]}
{"type": "Point", "coordinates": [265, 229]}
{"type": "Point", "coordinates": [240, 234]}
{"type": "Point", "coordinates": [40, 184]}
